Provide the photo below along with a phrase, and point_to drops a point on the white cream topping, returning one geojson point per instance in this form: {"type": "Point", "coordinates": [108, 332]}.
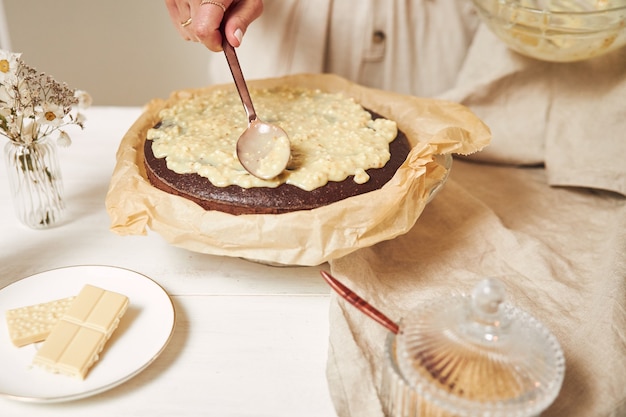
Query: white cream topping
{"type": "Point", "coordinates": [332, 137]}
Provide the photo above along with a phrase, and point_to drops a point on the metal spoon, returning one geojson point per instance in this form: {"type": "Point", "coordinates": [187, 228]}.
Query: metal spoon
{"type": "Point", "coordinates": [263, 148]}
{"type": "Point", "coordinates": [361, 305]}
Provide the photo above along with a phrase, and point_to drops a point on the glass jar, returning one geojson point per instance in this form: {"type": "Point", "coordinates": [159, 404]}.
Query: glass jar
{"type": "Point", "coordinates": [471, 356]}
{"type": "Point", "coordinates": [36, 184]}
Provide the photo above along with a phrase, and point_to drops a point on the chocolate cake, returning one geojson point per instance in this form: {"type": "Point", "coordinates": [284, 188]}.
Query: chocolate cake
{"type": "Point", "coordinates": [386, 152]}
{"type": "Point", "coordinates": [263, 200]}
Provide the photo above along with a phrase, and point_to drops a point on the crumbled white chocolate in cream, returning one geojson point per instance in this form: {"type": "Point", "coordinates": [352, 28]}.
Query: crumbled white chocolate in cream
{"type": "Point", "coordinates": [332, 136]}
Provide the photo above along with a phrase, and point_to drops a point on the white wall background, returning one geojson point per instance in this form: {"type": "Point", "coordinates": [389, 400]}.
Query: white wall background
{"type": "Point", "coordinates": [123, 52]}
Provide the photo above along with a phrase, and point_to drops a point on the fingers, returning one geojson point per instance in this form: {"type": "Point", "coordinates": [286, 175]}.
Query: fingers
{"type": "Point", "coordinates": [241, 14]}
{"type": "Point", "coordinates": [200, 20]}
{"type": "Point", "coordinates": [207, 18]}
{"type": "Point", "coordinates": [179, 13]}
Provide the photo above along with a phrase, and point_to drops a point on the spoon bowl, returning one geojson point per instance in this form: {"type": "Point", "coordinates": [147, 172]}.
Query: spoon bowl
{"type": "Point", "coordinates": [263, 149]}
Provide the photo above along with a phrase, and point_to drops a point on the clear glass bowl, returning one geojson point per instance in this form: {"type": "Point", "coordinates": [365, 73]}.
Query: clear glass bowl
{"type": "Point", "coordinates": [557, 30]}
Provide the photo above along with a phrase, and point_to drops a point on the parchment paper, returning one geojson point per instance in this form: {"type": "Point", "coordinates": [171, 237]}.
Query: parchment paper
{"type": "Point", "coordinates": [309, 237]}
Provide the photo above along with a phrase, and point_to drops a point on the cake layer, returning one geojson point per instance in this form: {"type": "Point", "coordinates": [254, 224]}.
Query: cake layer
{"type": "Point", "coordinates": [263, 200]}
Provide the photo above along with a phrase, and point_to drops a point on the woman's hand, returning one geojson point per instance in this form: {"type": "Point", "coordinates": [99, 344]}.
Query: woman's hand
{"type": "Point", "coordinates": [200, 20]}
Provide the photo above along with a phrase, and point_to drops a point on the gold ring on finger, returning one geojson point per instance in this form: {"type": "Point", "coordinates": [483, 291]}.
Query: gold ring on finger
{"type": "Point", "coordinates": [214, 3]}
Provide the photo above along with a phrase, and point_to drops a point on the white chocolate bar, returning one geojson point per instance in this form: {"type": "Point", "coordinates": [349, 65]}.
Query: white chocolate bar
{"type": "Point", "coordinates": [75, 343]}
{"type": "Point", "coordinates": [33, 323]}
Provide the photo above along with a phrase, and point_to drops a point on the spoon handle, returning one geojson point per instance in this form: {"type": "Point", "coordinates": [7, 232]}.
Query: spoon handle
{"type": "Point", "coordinates": [361, 305]}
{"type": "Point", "coordinates": [240, 82]}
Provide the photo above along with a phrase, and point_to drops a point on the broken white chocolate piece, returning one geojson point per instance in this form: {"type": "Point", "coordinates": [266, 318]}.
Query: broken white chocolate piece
{"type": "Point", "coordinates": [75, 343]}
{"type": "Point", "coordinates": [33, 323]}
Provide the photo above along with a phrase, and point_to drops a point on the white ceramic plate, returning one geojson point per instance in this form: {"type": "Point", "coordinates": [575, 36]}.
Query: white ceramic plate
{"type": "Point", "coordinates": [142, 335]}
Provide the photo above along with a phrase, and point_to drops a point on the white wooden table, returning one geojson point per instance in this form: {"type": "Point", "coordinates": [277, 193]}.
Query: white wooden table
{"type": "Point", "coordinates": [250, 340]}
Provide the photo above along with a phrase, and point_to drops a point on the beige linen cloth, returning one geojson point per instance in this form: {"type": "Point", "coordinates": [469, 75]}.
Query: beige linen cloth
{"type": "Point", "coordinates": [561, 251]}
{"type": "Point", "coordinates": [569, 116]}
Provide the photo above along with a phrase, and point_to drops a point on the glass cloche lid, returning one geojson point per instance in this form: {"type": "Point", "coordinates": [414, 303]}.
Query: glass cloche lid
{"type": "Point", "coordinates": [478, 355]}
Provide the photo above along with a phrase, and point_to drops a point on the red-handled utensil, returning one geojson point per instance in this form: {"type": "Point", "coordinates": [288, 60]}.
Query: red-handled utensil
{"type": "Point", "coordinates": [361, 305]}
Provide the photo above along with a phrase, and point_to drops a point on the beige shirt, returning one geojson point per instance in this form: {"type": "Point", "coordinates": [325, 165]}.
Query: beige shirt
{"type": "Point", "coordinates": [410, 46]}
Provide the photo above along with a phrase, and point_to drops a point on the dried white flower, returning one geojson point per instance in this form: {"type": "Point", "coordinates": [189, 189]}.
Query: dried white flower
{"type": "Point", "coordinates": [84, 99]}
{"type": "Point", "coordinates": [34, 105]}
{"type": "Point", "coordinates": [64, 139]}
{"type": "Point", "coordinates": [80, 119]}
{"type": "Point", "coordinates": [50, 114]}
{"type": "Point", "coordinates": [8, 64]}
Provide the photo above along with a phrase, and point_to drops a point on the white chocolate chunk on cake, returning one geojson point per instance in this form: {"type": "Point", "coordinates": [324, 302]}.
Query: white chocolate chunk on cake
{"type": "Point", "coordinates": [33, 323]}
{"type": "Point", "coordinates": [75, 343]}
